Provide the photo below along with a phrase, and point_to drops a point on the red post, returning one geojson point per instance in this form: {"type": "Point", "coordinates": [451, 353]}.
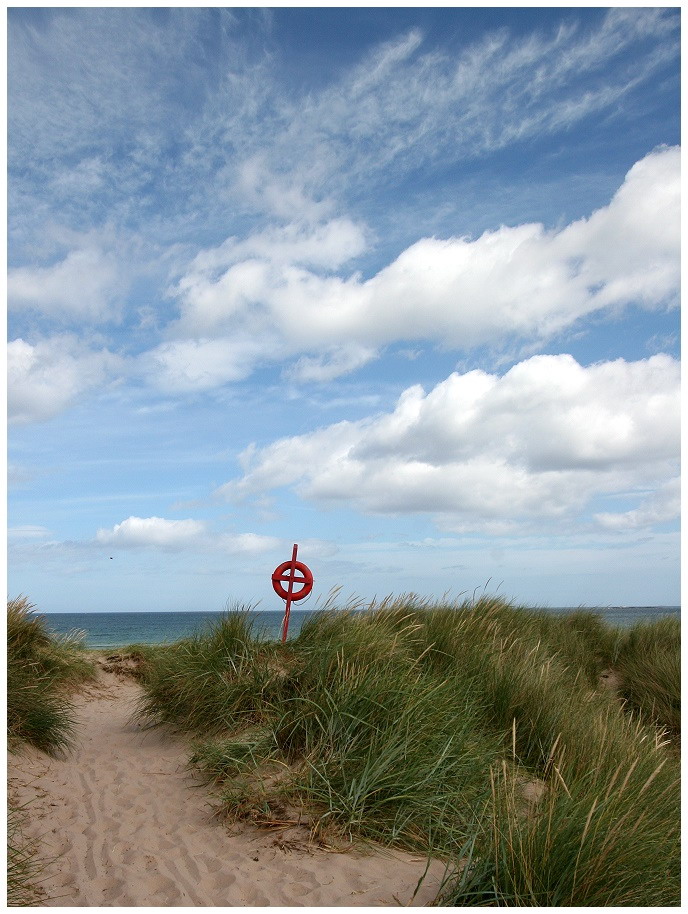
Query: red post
{"type": "Point", "coordinates": [286, 573]}
{"type": "Point", "coordinates": [287, 610]}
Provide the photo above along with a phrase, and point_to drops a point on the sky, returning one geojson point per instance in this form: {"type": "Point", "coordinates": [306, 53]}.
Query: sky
{"type": "Point", "coordinates": [398, 285]}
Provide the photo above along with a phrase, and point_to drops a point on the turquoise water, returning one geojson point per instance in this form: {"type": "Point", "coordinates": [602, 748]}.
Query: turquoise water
{"type": "Point", "coordinates": [104, 630]}
{"type": "Point", "coordinates": [118, 629]}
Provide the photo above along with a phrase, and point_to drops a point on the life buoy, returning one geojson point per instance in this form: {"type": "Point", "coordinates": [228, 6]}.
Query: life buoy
{"type": "Point", "coordinates": [286, 572]}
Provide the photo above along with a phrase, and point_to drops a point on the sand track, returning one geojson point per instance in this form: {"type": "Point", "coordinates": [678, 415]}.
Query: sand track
{"type": "Point", "coordinates": [127, 826]}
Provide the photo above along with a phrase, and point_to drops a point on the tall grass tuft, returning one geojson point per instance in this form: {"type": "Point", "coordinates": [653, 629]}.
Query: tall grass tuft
{"type": "Point", "coordinates": [384, 746]}
{"type": "Point", "coordinates": [473, 732]}
{"type": "Point", "coordinates": [595, 842]}
{"type": "Point", "coordinates": [23, 867]}
{"type": "Point", "coordinates": [213, 681]}
{"type": "Point", "coordinates": [41, 672]}
{"type": "Point", "coordinates": [648, 661]}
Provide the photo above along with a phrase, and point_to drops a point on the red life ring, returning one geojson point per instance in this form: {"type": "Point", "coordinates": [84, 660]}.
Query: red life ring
{"type": "Point", "coordinates": [287, 572]}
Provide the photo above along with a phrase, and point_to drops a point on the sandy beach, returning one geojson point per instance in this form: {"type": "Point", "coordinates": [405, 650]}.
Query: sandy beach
{"type": "Point", "coordinates": [122, 822]}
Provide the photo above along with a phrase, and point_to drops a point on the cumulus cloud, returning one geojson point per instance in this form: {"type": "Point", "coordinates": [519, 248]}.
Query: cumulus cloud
{"type": "Point", "coordinates": [225, 283]}
{"type": "Point", "coordinates": [45, 378]}
{"type": "Point", "coordinates": [181, 535]}
{"type": "Point", "coordinates": [152, 531]}
{"type": "Point", "coordinates": [523, 282]}
{"type": "Point", "coordinates": [488, 452]}
{"type": "Point", "coordinates": [83, 286]}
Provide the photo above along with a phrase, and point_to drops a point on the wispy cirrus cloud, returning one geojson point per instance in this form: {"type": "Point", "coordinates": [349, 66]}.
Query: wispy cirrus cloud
{"type": "Point", "coordinates": [245, 137]}
{"type": "Point", "coordinates": [124, 77]}
{"type": "Point", "coordinates": [402, 108]}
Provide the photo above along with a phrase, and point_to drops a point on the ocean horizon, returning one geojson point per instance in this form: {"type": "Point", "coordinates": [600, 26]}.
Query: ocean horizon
{"type": "Point", "coordinates": [103, 630]}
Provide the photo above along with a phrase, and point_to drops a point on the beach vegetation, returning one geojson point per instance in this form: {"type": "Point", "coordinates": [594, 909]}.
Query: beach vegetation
{"type": "Point", "coordinates": [42, 672]}
{"type": "Point", "coordinates": [648, 663]}
{"type": "Point", "coordinates": [215, 680]}
{"type": "Point", "coordinates": [479, 733]}
{"type": "Point", "coordinates": [23, 864]}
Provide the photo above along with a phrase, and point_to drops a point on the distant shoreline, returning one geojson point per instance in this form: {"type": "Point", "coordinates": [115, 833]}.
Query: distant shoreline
{"type": "Point", "coordinates": [295, 609]}
{"type": "Point", "coordinates": [114, 630]}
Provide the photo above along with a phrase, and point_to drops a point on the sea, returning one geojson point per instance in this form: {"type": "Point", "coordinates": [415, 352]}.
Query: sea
{"type": "Point", "coordinates": [103, 630]}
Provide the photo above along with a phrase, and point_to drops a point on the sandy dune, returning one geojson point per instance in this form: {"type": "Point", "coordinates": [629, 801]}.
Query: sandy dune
{"type": "Point", "coordinates": [127, 826]}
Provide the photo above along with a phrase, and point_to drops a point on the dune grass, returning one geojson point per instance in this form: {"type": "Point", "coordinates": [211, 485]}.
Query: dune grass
{"type": "Point", "coordinates": [423, 726]}
{"type": "Point", "coordinates": [23, 866]}
{"type": "Point", "coordinates": [42, 672]}
{"type": "Point", "coordinates": [648, 661]}
{"type": "Point", "coordinates": [215, 680]}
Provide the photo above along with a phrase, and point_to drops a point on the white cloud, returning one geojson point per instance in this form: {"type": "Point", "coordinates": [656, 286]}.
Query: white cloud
{"type": "Point", "coordinates": [226, 283]}
{"type": "Point", "coordinates": [182, 535]}
{"type": "Point", "coordinates": [333, 364]}
{"type": "Point", "coordinates": [83, 286]}
{"type": "Point", "coordinates": [659, 507]}
{"type": "Point", "coordinates": [523, 282]}
{"type": "Point", "coordinates": [283, 196]}
{"type": "Point", "coordinates": [402, 107]}
{"type": "Point", "coordinates": [87, 177]}
{"type": "Point", "coordinates": [247, 543]}
{"type": "Point", "coordinates": [630, 250]}
{"type": "Point", "coordinates": [27, 531]}
{"type": "Point", "coordinates": [45, 378]}
{"type": "Point", "coordinates": [152, 531]}
{"type": "Point", "coordinates": [182, 366]}
{"type": "Point", "coordinates": [325, 244]}
{"type": "Point", "coordinates": [484, 452]}
{"type": "Point", "coordinates": [93, 94]}
{"type": "Point", "coordinates": [273, 297]}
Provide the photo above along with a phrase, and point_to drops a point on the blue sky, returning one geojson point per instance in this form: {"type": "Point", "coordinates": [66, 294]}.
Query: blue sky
{"type": "Point", "coordinates": [399, 285]}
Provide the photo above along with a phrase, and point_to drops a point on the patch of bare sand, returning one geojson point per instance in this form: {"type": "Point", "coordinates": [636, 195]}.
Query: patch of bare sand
{"type": "Point", "coordinates": [126, 825]}
{"type": "Point", "coordinates": [610, 680]}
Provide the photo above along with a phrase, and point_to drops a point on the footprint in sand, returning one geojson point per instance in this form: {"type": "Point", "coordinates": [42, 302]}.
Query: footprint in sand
{"type": "Point", "coordinates": [126, 828]}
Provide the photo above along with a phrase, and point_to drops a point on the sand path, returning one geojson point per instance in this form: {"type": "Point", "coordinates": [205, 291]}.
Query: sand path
{"type": "Point", "coordinates": [127, 825]}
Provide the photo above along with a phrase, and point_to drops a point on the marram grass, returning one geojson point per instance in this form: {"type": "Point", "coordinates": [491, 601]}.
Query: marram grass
{"type": "Point", "coordinates": [42, 671]}
{"type": "Point", "coordinates": [23, 866]}
{"type": "Point", "coordinates": [648, 662]}
{"type": "Point", "coordinates": [432, 727]}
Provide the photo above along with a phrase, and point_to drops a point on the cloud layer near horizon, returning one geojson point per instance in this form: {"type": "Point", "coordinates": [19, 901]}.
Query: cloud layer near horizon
{"type": "Point", "coordinates": [496, 454]}
{"type": "Point", "coordinates": [532, 450]}
{"type": "Point", "coordinates": [180, 535]}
